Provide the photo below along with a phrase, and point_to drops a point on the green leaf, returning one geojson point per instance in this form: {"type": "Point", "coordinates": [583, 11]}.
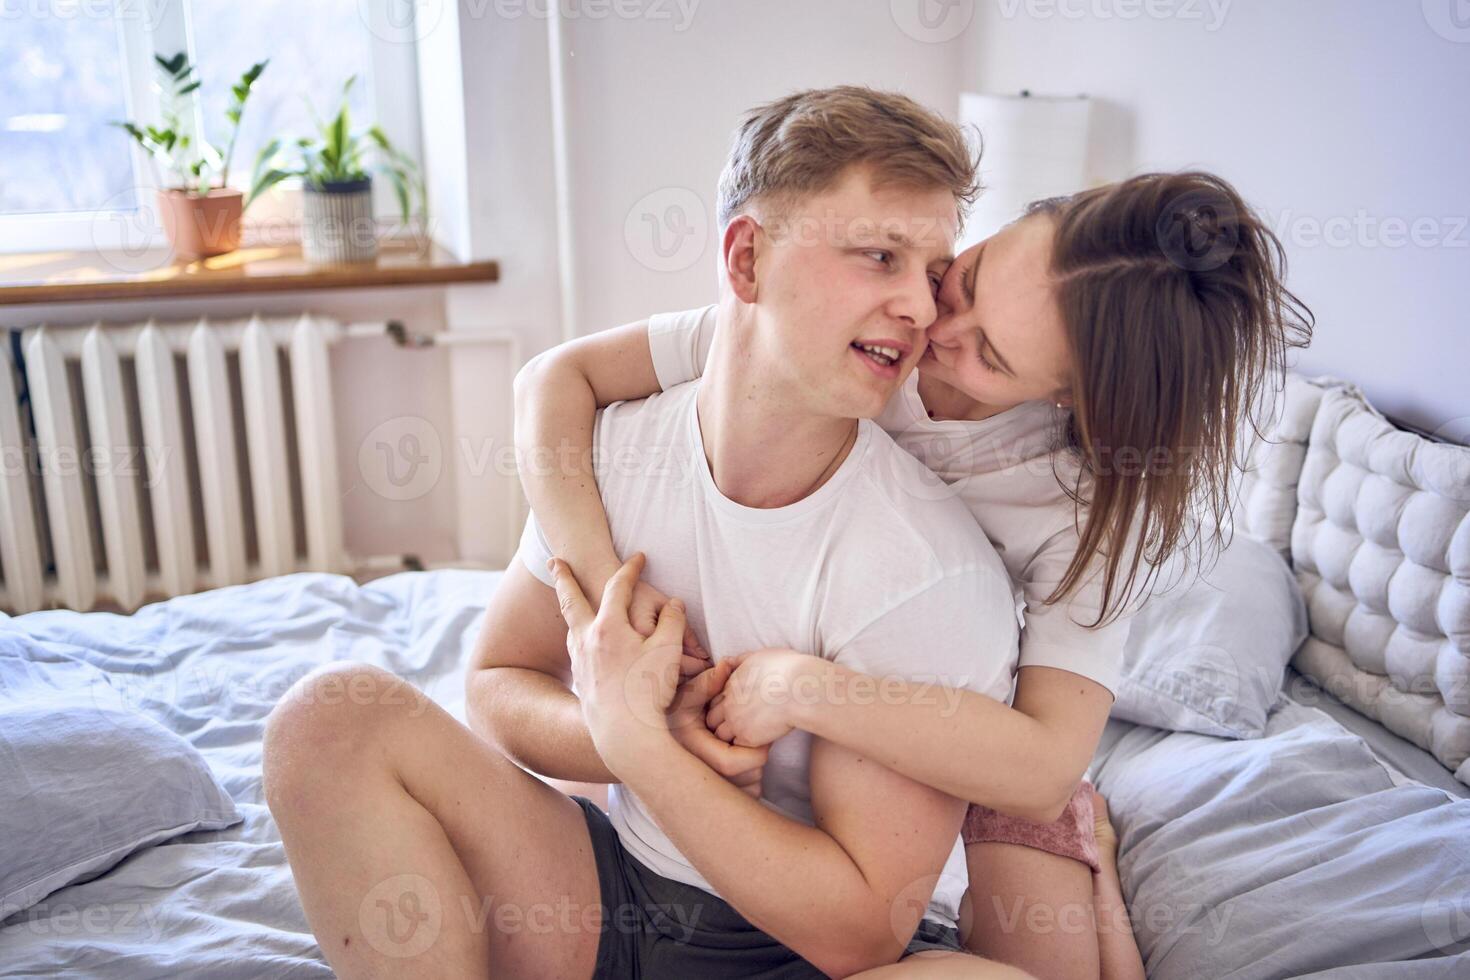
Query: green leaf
{"type": "Point", "coordinates": [172, 65]}
{"type": "Point", "coordinates": [311, 164]}
{"type": "Point", "coordinates": [267, 153]}
{"type": "Point", "coordinates": [189, 88]}
{"type": "Point", "coordinates": [316, 119]}
{"type": "Point", "coordinates": [130, 129]}
{"type": "Point", "coordinates": [400, 189]}
{"type": "Point", "coordinates": [338, 137]}
{"type": "Point", "coordinates": [265, 161]}
{"type": "Point", "coordinates": [263, 182]}
{"type": "Point", "coordinates": [376, 134]}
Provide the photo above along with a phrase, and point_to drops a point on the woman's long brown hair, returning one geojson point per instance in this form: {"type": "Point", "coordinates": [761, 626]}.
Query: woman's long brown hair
{"type": "Point", "coordinates": [1178, 318]}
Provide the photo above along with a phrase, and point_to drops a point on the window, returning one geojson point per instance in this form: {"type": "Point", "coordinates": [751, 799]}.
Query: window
{"type": "Point", "coordinates": [68, 180]}
{"type": "Point", "coordinates": [325, 46]}
{"type": "Point", "coordinates": [60, 81]}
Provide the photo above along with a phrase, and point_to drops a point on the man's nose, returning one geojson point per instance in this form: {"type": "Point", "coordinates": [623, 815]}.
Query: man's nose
{"type": "Point", "coordinates": [915, 302]}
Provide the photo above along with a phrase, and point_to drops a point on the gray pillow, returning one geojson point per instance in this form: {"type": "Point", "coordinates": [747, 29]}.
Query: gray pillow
{"type": "Point", "coordinates": [1291, 855]}
{"type": "Point", "coordinates": [1209, 656]}
{"type": "Point", "coordinates": [84, 781]}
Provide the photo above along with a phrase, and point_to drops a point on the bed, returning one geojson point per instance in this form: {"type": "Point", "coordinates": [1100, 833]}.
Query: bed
{"type": "Point", "coordinates": [210, 666]}
{"type": "Point", "coordinates": [1332, 844]}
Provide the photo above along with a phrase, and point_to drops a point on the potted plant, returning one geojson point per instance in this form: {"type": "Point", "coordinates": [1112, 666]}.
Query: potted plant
{"type": "Point", "coordinates": [199, 210]}
{"type": "Point", "coordinates": [337, 222]}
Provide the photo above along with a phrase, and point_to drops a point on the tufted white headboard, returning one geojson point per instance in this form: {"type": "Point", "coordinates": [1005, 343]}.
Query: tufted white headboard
{"type": "Point", "coordinates": [1376, 524]}
{"type": "Point", "coordinates": [1265, 503]}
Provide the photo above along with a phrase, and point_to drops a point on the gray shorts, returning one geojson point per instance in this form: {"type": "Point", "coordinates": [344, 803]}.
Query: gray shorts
{"type": "Point", "coordinates": [659, 928]}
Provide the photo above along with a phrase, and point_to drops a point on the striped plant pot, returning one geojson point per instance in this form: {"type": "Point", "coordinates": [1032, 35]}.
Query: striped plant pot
{"type": "Point", "coordinates": [337, 222]}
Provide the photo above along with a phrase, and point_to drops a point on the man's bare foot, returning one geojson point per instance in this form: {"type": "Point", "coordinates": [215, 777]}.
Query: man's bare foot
{"type": "Point", "coordinates": [1102, 826]}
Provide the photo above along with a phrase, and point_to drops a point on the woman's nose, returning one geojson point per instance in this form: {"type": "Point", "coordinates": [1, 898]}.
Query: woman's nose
{"type": "Point", "coordinates": [941, 333]}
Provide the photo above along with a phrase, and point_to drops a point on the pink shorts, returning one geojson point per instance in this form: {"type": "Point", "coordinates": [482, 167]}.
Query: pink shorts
{"type": "Point", "coordinates": [1070, 835]}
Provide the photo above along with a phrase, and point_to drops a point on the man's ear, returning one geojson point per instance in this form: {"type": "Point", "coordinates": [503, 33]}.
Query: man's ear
{"type": "Point", "coordinates": [740, 244]}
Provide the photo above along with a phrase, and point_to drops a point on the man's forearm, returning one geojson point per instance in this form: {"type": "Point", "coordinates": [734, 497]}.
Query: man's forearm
{"type": "Point", "coordinates": [536, 721]}
{"type": "Point", "coordinates": [792, 881]}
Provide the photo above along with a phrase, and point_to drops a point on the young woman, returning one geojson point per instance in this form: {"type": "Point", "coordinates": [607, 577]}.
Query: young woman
{"type": "Point", "coordinates": [1086, 381]}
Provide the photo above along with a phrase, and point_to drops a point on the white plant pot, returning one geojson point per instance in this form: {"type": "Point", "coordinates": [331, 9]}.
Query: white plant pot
{"type": "Point", "coordinates": [337, 222]}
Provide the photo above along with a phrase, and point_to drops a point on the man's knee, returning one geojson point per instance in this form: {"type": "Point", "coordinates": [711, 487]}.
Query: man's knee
{"type": "Point", "coordinates": [330, 721]}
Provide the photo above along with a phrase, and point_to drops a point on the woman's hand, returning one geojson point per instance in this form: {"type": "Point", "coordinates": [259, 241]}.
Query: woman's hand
{"type": "Point", "coordinates": [758, 702]}
{"type": "Point", "coordinates": [740, 765]}
{"type": "Point", "coordinates": [627, 683]}
{"type": "Point", "coordinates": [643, 613]}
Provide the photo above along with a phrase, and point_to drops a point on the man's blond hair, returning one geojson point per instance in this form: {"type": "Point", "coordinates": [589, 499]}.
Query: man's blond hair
{"type": "Point", "coordinates": [802, 144]}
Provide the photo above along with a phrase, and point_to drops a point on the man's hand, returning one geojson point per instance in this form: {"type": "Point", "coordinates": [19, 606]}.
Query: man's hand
{"type": "Point", "coordinates": [741, 766]}
{"type": "Point", "coordinates": [626, 682]}
{"type": "Point", "coordinates": [757, 704]}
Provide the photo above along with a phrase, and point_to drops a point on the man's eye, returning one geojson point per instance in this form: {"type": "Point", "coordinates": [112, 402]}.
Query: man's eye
{"type": "Point", "coordinates": [878, 255]}
{"type": "Point", "coordinates": [934, 283]}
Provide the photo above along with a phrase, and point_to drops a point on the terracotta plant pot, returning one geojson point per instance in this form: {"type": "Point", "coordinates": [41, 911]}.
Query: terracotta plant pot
{"type": "Point", "coordinates": [199, 227]}
{"type": "Point", "coordinates": [337, 222]}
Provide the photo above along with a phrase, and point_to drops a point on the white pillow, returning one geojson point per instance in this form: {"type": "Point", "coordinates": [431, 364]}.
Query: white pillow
{"type": "Point", "coordinates": [1209, 657]}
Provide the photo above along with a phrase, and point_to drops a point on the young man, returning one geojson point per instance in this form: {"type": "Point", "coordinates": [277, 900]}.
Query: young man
{"type": "Point", "coordinates": [765, 499]}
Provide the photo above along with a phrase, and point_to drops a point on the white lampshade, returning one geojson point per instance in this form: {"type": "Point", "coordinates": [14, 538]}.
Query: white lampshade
{"type": "Point", "coordinates": [1035, 147]}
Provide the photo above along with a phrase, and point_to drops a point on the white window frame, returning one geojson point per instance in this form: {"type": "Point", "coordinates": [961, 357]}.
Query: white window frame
{"type": "Point", "coordinates": [148, 27]}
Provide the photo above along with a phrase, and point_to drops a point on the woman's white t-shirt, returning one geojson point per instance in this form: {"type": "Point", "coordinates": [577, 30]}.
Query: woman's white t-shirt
{"type": "Point", "coordinates": [1007, 469]}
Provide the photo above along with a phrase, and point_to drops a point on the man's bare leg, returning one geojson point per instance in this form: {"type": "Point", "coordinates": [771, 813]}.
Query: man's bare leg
{"type": "Point", "coordinates": [417, 848]}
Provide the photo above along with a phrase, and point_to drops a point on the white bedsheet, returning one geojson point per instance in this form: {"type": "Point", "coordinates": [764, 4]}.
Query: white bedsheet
{"type": "Point", "coordinates": [210, 667]}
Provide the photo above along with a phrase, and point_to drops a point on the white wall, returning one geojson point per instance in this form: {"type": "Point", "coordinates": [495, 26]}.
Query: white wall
{"type": "Point", "coordinates": [485, 96]}
{"type": "Point", "coordinates": [652, 103]}
{"type": "Point", "coordinates": [1320, 111]}
{"type": "Point", "coordinates": [1345, 122]}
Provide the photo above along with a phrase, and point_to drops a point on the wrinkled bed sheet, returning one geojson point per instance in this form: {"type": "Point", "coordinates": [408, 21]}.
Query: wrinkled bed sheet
{"type": "Point", "coordinates": [210, 667]}
{"type": "Point", "coordinates": [1295, 854]}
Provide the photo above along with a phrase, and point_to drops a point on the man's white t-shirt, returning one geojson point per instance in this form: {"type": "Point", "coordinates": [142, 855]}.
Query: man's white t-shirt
{"type": "Point", "coordinates": [865, 571]}
{"type": "Point", "coordinates": [1008, 471]}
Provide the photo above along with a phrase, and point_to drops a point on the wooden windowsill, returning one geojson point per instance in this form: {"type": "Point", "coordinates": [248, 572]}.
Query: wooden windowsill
{"type": "Point", "coordinates": [77, 277]}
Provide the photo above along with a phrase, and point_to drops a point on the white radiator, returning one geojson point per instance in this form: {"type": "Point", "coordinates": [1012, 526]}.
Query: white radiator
{"type": "Point", "coordinates": [167, 458]}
